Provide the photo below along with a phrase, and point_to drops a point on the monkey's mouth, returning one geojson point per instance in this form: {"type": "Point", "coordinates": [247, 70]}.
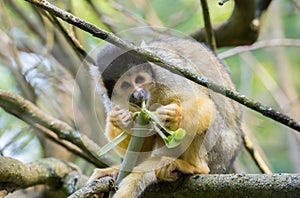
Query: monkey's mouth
{"type": "Point", "coordinates": [138, 96]}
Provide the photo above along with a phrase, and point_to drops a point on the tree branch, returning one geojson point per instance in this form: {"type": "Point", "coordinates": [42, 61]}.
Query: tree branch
{"type": "Point", "coordinates": [213, 185]}
{"type": "Point", "coordinates": [259, 45]}
{"type": "Point", "coordinates": [150, 56]}
{"type": "Point", "coordinates": [28, 112]}
{"type": "Point", "coordinates": [243, 26]}
{"type": "Point", "coordinates": [209, 32]}
{"type": "Point", "coordinates": [50, 171]}
{"type": "Point", "coordinates": [261, 164]}
{"type": "Point", "coordinates": [229, 185]}
{"type": "Point", "coordinates": [104, 184]}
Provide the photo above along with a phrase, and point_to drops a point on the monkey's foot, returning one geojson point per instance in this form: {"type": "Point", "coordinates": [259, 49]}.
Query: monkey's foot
{"type": "Point", "coordinates": [171, 169]}
{"type": "Point", "coordinates": [102, 172]}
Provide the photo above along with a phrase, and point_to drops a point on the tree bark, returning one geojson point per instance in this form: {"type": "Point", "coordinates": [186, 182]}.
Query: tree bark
{"type": "Point", "coordinates": [243, 26]}
{"type": "Point", "coordinates": [229, 185]}
{"type": "Point", "coordinates": [53, 172]}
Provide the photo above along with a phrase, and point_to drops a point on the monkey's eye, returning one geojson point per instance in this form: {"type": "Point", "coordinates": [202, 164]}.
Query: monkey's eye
{"type": "Point", "coordinates": [139, 79]}
{"type": "Point", "coordinates": [125, 85]}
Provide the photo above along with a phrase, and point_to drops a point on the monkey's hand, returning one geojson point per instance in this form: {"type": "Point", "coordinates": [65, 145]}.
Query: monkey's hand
{"type": "Point", "coordinates": [170, 115]}
{"type": "Point", "coordinates": [120, 117]}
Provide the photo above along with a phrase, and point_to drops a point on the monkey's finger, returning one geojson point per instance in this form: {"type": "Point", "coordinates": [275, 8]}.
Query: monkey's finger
{"type": "Point", "coordinates": [127, 117]}
{"type": "Point", "coordinates": [167, 112]}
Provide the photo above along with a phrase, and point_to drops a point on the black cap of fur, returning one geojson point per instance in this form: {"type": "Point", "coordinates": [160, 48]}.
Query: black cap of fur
{"type": "Point", "coordinates": [119, 66]}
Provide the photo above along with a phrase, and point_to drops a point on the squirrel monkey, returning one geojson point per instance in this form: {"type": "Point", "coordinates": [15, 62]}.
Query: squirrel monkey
{"type": "Point", "coordinates": [211, 121]}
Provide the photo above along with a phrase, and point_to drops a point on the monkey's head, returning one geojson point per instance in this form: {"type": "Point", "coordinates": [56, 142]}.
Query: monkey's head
{"type": "Point", "coordinates": [125, 75]}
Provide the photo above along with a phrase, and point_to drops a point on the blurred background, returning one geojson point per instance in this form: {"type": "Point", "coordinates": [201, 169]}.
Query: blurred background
{"type": "Point", "coordinates": [37, 62]}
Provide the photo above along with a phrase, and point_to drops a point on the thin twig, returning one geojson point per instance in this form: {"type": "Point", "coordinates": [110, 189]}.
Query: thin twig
{"type": "Point", "coordinates": [150, 56]}
{"type": "Point", "coordinates": [261, 164]}
{"type": "Point", "coordinates": [22, 83]}
{"type": "Point", "coordinates": [296, 3]}
{"type": "Point", "coordinates": [284, 42]}
{"type": "Point", "coordinates": [209, 36]}
{"type": "Point", "coordinates": [77, 47]}
{"type": "Point", "coordinates": [35, 27]}
{"type": "Point", "coordinates": [67, 145]}
{"type": "Point", "coordinates": [221, 2]}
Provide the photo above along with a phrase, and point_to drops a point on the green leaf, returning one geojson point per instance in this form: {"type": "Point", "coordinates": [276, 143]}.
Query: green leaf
{"type": "Point", "coordinates": [179, 134]}
{"type": "Point", "coordinates": [114, 142]}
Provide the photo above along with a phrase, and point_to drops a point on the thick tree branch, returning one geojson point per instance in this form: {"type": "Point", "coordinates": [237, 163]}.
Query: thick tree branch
{"type": "Point", "coordinates": [104, 184]}
{"type": "Point", "coordinates": [229, 185]}
{"type": "Point", "coordinates": [243, 26]}
{"type": "Point", "coordinates": [28, 112]}
{"type": "Point", "coordinates": [213, 186]}
{"type": "Point", "coordinates": [150, 56]}
{"type": "Point", "coordinates": [16, 175]}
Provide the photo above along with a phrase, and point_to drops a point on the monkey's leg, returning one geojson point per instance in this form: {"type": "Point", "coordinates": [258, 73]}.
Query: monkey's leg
{"type": "Point", "coordinates": [206, 113]}
{"type": "Point", "coordinates": [136, 182]}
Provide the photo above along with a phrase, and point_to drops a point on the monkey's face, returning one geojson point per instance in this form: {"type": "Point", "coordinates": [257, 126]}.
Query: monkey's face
{"type": "Point", "coordinates": [131, 86]}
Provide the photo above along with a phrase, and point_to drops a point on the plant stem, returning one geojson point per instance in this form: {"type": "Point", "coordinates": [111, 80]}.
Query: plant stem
{"type": "Point", "coordinates": [134, 146]}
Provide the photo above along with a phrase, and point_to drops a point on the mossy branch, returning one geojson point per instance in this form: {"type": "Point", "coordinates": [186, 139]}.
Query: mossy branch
{"type": "Point", "coordinates": [50, 171]}
{"type": "Point", "coordinates": [229, 185]}
{"type": "Point", "coordinates": [148, 55]}
{"type": "Point", "coordinates": [31, 114]}
{"type": "Point", "coordinates": [104, 184]}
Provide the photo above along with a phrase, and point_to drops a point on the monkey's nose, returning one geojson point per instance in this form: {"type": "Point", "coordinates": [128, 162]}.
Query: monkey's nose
{"type": "Point", "coordinates": [138, 96]}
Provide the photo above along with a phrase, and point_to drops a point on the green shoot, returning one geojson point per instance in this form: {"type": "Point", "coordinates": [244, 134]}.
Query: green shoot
{"type": "Point", "coordinates": [110, 145]}
{"type": "Point", "coordinates": [171, 138]}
